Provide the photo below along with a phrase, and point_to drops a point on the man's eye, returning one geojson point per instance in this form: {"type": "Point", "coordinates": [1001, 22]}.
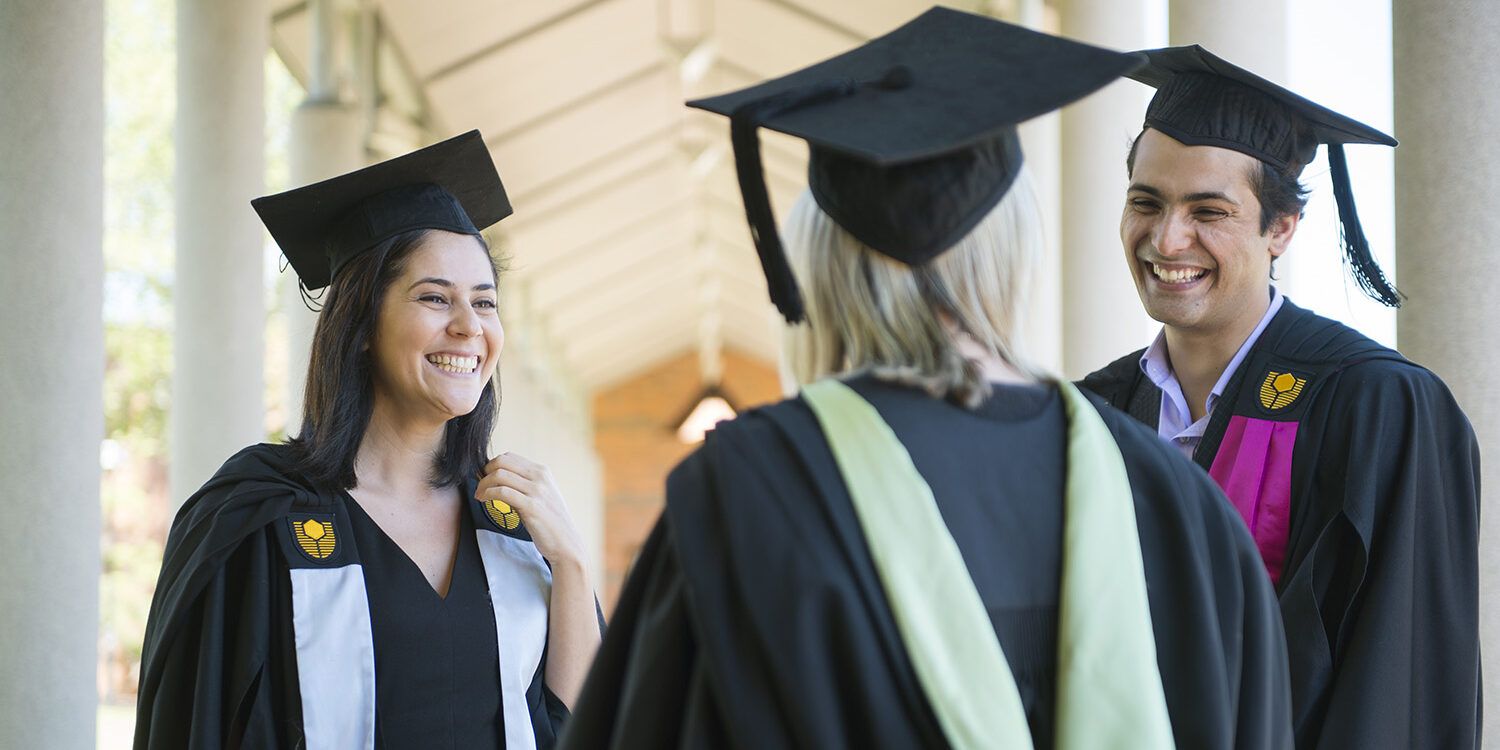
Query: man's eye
{"type": "Point", "coordinates": [1210, 213]}
{"type": "Point", "coordinates": [1143, 206]}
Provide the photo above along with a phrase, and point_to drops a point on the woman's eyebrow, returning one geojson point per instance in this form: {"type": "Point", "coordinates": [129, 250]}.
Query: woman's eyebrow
{"type": "Point", "coordinates": [431, 280]}
{"type": "Point", "coordinates": [486, 286]}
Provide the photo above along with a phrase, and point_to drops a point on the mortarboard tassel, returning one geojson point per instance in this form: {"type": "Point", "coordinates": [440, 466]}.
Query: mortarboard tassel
{"type": "Point", "coordinates": [1356, 248]}
{"type": "Point", "coordinates": [744, 134]}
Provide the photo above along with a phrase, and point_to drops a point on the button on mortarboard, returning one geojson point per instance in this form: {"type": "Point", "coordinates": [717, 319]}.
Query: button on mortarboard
{"type": "Point", "coordinates": [922, 118]}
{"type": "Point", "coordinates": [451, 185]}
{"type": "Point", "coordinates": [1204, 100]}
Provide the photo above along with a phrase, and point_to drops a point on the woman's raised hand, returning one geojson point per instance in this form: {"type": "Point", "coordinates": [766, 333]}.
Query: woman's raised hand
{"type": "Point", "coordinates": [527, 487]}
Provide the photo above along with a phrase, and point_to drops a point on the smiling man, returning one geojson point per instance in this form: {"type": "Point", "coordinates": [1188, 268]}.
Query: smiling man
{"type": "Point", "coordinates": [1355, 470]}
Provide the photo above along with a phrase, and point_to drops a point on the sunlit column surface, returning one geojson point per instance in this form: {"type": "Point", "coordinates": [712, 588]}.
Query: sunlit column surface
{"type": "Point", "coordinates": [1249, 33]}
{"type": "Point", "coordinates": [52, 374]}
{"type": "Point", "coordinates": [218, 341]}
{"type": "Point", "coordinates": [1040, 139]}
{"type": "Point", "coordinates": [1447, 229]}
{"type": "Point", "coordinates": [1102, 316]}
{"type": "Point", "coordinates": [327, 139]}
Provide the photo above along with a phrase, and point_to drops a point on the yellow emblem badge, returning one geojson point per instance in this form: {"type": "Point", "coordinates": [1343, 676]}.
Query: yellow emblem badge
{"type": "Point", "coordinates": [1280, 389]}
{"type": "Point", "coordinates": [315, 538]}
{"type": "Point", "coordinates": [502, 514]}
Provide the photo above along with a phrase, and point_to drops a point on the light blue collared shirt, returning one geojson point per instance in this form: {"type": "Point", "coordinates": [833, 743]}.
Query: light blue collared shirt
{"type": "Point", "coordinates": [1175, 423]}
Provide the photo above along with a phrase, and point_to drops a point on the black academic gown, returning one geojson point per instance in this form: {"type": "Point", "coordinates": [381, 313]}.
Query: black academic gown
{"type": "Point", "coordinates": [219, 666]}
{"type": "Point", "coordinates": [754, 617]}
{"type": "Point", "coordinates": [1378, 586]}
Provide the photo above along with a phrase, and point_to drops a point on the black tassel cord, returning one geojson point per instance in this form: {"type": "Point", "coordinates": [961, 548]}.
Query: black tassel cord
{"type": "Point", "coordinates": [744, 134]}
{"type": "Point", "coordinates": [1357, 258]}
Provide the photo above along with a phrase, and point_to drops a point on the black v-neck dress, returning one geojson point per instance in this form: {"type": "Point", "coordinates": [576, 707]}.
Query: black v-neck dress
{"type": "Point", "coordinates": [437, 679]}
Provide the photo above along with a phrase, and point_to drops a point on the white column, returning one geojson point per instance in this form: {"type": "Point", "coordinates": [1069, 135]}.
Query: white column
{"type": "Point", "coordinates": [217, 381]}
{"type": "Point", "coordinates": [1041, 139]}
{"type": "Point", "coordinates": [1249, 33]}
{"type": "Point", "coordinates": [1102, 315]}
{"type": "Point", "coordinates": [1447, 166]}
{"type": "Point", "coordinates": [327, 140]}
{"type": "Point", "coordinates": [51, 378]}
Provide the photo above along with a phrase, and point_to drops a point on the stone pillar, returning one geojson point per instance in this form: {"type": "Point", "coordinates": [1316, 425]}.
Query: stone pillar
{"type": "Point", "coordinates": [51, 379]}
{"type": "Point", "coordinates": [1249, 33]}
{"type": "Point", "coordinates": [1445, 78]}
{"type": "Point", "coordinates": [1040, 140]}
{"type": "Point", "coordinates": [1102, 315]}
{"type": "Point", "coordinates": [327, 140]}
{"type": "Point", "coordinates": [218, 344]}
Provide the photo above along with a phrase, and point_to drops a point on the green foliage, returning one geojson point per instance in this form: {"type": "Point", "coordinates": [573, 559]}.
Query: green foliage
{"type": "Point", "coordinates": [139, 107]}
{"type": "Point", "coordinates": [140, 87]}
{"type": "Point", "coordinates": [136, 388]}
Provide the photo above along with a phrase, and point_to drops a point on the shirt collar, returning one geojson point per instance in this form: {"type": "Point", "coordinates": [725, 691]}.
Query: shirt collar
{"type": "Point", "coordinates": [1157, 365]}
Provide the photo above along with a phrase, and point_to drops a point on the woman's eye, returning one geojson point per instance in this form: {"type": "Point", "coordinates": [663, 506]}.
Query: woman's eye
{"type": "Point", "coordinates": [487, 304]}
{"type": "Point", "coordinates": [433, 298]}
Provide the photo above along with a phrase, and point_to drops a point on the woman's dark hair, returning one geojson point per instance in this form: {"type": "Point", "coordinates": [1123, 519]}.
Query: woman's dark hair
{"type": "Point", "coordinates": [1278, 190]}
{"type": "Point", "coordinates": [340, 395]}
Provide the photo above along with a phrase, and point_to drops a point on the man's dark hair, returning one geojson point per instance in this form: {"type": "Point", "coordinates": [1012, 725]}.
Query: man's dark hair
{"type": "Point", "coordinates": [1279, 191]}
{"type": "Point", "coordinates": [340, 395]}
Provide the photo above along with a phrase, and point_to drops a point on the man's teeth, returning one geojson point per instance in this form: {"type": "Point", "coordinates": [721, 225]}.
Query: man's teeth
{"type": "Point", "coordinates": [1177, 276]}
{"type": "Point", "coordinates": [461, 365]}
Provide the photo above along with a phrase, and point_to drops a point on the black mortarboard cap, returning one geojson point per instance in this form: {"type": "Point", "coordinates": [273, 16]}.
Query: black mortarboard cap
{"type": "Point", "coordinates": [912, 136]}
{"type": "Point", "coordinates": [1202, 100]}
{"type": "Point", "coordinates": [451, 185]}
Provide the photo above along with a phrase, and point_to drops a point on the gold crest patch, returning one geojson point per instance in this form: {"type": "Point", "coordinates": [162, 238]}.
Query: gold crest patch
{"type": "Point", "coordinates": [316, 538]}
{"type": "Point", "coordinates": [502, 514]}
{"type": "Point", "coordinates": [1280, 389]}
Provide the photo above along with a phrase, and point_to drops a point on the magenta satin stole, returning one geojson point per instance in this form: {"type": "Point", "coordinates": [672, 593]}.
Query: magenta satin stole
{"type": "Point", "coordinates": [1254, 467]}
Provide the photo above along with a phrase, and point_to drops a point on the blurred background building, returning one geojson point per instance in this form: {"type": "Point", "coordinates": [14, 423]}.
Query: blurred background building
{"type": "Point", "coordinates": [149, 331]}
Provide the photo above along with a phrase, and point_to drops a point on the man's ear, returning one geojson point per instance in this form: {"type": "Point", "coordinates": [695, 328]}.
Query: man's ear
{"type": "Point", "coordinates": [1281, 231]}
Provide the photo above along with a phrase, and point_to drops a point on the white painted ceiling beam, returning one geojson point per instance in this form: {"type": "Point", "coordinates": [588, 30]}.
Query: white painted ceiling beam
{"type": "Point", "coordinates": [567, 261]}
{"type": "Point", "coordinates": [642, 283]}
{"type": "Point", "coordinates": [596, 220]}
{"type": "Point", "coordinates": [653, 246]}
{"type": "Point", "coordinates": [641, 289]}
{"type": "Point", "coordinates": [611, 337]}
{"type": "Point", "coordinates": [548, 70]}
{"type": "Point", "coordinates": [602, 373]}
{"type": "Point", "coordinates": [560, 189]}
{"type": "Point", "coordinates": [460, 33]}
{"type": "Point", "coordinates": [635, 107]}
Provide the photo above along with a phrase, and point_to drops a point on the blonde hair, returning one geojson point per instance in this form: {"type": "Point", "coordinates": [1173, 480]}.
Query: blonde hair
{"type": "Point", "coordinates": [867, 312]}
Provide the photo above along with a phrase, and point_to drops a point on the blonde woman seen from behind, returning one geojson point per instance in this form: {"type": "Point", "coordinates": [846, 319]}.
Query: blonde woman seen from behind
{"type": "Point", "coordinates": [934, 544]}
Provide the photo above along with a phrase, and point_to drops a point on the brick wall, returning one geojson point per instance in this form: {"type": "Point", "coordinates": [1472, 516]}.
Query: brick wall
{"type": "Point", "coordinates": [635, 435]}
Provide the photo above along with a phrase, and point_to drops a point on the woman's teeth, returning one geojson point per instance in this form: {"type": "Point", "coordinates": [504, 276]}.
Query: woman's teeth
{"type": "Point", "coordinates": [1179, 275]}
{"type": "Point", "coordinates": [460, 365]}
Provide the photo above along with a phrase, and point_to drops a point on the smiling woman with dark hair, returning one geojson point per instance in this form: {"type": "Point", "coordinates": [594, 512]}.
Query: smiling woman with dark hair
{"type": "Point", "coordinates": [378, 581]}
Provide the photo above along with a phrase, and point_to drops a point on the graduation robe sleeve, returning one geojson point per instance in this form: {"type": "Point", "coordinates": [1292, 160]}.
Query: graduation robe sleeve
{"type": "Point", "coordinates": [216, 665]}
{"type": "Point", "coordinates": [1383, 622]}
